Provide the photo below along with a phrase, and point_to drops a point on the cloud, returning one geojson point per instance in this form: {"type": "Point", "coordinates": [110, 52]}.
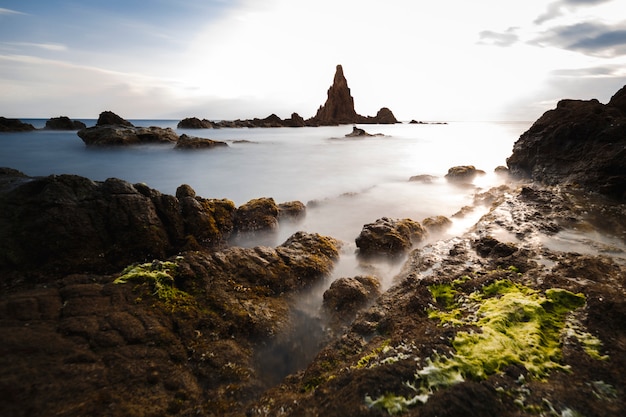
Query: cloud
{"type": "Point", "coordinates": [506, 38]}
{"type": "Point", "coordinates": [556, 9]}
{"type": "Point", "coordinates": [595, 39]}
{"type": "Point", "coordinates": [4, 11]}
{"type": "Point", "coordinates": [46, 46]}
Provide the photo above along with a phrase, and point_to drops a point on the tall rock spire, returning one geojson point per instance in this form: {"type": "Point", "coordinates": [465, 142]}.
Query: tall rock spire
{"type": "Point", "coordinates": [339, 106]}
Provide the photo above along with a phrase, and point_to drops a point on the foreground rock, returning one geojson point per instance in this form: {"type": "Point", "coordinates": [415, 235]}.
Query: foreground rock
{"type": "Point", "coordinates": [14, 125]}
{"type": "Point", "coordinates": [57, 225]}
{"type": "Point", "coordinates": [177, 336]}
{"type": "Point", "coordinates": [347, 296]}
{"type": "Point", "coordinates": [478, 326]}
{"type": "Point", "coordinates": [580, 142]}
{"type": "Point", "coordinates": [389, 237]}
{"type": "Point", "coordinates": [64, 123]}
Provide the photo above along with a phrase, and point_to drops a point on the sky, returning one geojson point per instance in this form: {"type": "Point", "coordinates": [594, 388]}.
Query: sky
{"type": "Point", "coordinates": [217, 59]}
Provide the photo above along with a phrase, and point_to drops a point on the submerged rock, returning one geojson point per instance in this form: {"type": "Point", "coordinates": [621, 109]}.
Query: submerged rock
{"type": "Point", "coordinates": [192, 142]}
{"type": "Point", "coordinates": [580, 143]}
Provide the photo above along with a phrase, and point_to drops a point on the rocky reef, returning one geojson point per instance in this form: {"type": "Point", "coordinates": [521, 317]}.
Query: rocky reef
{"type": "Point", "coordinates": [119, 300]}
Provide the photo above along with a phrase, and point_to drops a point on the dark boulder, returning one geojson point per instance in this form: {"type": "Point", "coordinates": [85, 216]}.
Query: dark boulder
{"type": "Point", "coordinates": [389, 237]}
{"type": "Point", "coordinates": [436, 223]}
{"type": "Point", "coordinates": [294, 121]}
{"type": "Point", "coordinates": [358, 132]}
{"type": "Point", "coordinates": [346, 296]}
{"type": "Point", "coordinates": [291, 211]}
{"type": "Point", "coordinates": [194, 123]}
{"type": "Point", "coordinates": [192, 142]}
{"type": "Point", "coordinates": [110, 118]}
{"type": "Point", "coordinates": [14, 125]}
{"type": "Point", "coordinates": [384, 116]}
{"type": "Point", "coordinates": [115, 135]}
{"type": "Point", "coordinates": [580, 142]}
{"type": "Point", "coordinates": [259, 215]}
{"type": "Point", "coordinates": [64, 123]}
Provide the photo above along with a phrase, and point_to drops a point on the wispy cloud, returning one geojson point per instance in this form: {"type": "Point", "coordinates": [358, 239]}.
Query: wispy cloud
{"type": "Point", "coordinates": [46, 46]}
{"type": "Point", "coordinates": [9, 11]}
{"type": "Point", "coordinates": [506, 38]}
{"type": "Point", "coordinates": [557, 8]}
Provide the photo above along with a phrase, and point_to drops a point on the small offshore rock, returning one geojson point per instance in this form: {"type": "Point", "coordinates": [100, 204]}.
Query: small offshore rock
{"type": "Point", "coordinates": [64, 123]}
{"type": "Point", "coordinates": [14, 125]}
{"type": "Point", "coordinates": [110, 118]}
{"type": "Point", "coordinates": [192, 142]}
{"type": "Point", "coordinates": [423, 178]}
{"type": "Point", "coordinates": [194, 123]}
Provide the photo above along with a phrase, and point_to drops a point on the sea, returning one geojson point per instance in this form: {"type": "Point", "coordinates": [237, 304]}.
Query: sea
{"type": "Point", "coordinates": [346, 182]}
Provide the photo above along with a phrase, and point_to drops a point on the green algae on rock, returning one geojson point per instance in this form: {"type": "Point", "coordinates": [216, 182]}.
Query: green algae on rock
{"type": "Point", "coordinates": [516, 325]}
{"type": "Point", "coordinates": [159, 276]}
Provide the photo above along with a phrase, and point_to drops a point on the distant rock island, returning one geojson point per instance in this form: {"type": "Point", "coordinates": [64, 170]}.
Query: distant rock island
{"type": "Point", "coordinates": [338, 110]}
{"type": "Point", "coordinates": [339, 107]}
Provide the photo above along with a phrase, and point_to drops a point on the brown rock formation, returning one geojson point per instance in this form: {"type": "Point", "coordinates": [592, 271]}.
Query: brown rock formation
{"type": "Point", "coordinates": [580, 142]}
{"type": "Point", "coordinates": [339, 107]}
{"type": "Point", "coordinates": [64, 123]}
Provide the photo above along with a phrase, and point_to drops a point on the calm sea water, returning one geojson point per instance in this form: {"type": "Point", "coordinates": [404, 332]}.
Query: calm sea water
{"type": "Point", "coordinates": [354, 180]}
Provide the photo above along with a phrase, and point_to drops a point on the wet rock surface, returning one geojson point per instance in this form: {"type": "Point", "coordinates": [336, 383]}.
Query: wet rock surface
{"type": "Point", "coordinates": [580, 142]}
{"type": "Point", "coordinates": [426, 346]}
{"type": "Point", "coordinates": [389, 237]}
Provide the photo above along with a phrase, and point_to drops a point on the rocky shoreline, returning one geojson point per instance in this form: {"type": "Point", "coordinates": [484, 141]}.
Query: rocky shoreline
{"type": "Point", "coordinates": [146, 306]}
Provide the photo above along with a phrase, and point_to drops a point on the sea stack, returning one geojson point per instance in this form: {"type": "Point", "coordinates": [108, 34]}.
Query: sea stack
{"type": "Point", "coordinates": [339, 107]}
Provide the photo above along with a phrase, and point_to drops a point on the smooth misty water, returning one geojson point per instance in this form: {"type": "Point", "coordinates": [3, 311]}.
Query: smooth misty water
{"type": "Point", "coordinates": [354, 180]}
